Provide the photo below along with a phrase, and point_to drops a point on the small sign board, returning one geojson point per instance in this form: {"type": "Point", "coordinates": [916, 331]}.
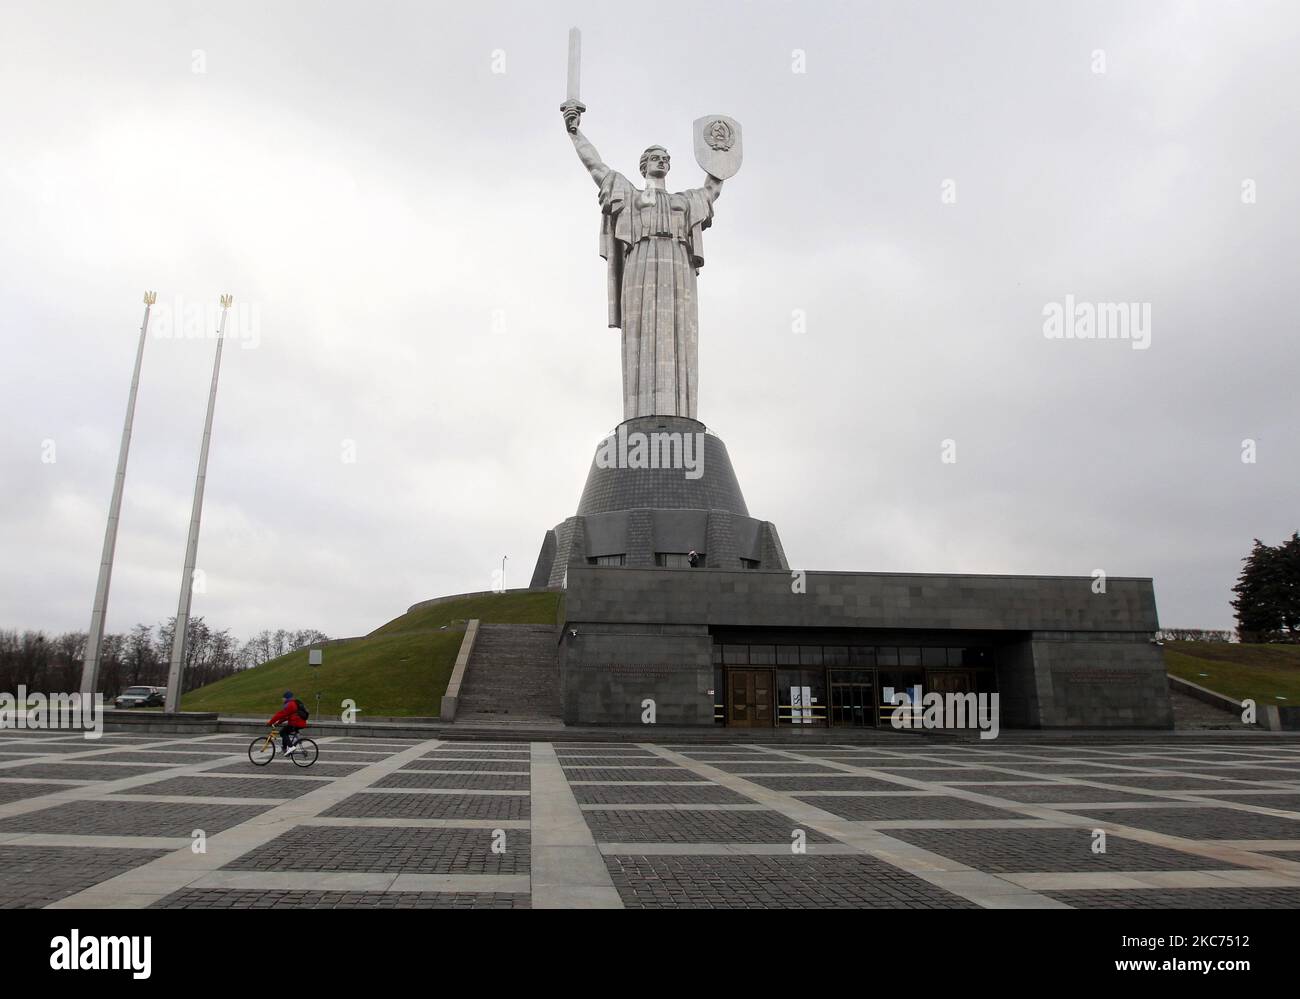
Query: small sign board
{"type": "Point", "coordinates": [314, 657]}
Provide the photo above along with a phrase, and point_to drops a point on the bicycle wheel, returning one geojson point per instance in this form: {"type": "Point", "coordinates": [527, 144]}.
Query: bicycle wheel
{"type": "Point", "coordinates": [261, 751]}
{"type": "Point", "coordinates": [305, 753]}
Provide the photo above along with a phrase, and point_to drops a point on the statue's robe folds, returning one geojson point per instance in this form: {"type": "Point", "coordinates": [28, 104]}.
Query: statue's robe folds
{"type": "Point", "coordinates": [653, 242]}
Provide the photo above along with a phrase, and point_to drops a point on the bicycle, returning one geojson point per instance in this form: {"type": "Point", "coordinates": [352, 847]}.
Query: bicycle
{"type": "Point", "coordinates": [262, 751]}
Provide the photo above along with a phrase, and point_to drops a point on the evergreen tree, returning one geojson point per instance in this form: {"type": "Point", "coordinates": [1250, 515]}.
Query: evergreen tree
{"type": "Point", "coordinates": [1288, 573]}
{"type": "Point", "coordinates": [1268, 593]}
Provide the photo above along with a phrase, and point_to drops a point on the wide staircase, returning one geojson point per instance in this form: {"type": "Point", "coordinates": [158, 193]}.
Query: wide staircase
{"type": "Point", "coordinates": [1189, 713]}
{"type": "Point", "coordinates": [512, 675]}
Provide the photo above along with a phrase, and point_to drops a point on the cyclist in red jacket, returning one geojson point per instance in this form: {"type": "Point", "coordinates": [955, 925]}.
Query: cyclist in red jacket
{"type": "Point", "coordinates": [290, 720]}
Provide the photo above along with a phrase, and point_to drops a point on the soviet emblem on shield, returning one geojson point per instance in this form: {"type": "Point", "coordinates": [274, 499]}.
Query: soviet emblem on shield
{"type": "Point", "coordinates": [718, 145]}
{"type": "Point", "coordinates": [718, 135]}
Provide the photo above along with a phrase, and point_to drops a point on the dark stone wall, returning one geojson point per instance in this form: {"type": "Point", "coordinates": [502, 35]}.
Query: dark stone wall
{"type": "Point", "coordinates": [720, 545]}
{"type": "Point", "coordinates": [1018, 693]}
{"type": "Point", "coordinates": [1100, 680]}
{"type": "Point", "coordinates": [862, 600]}
{"type": "Point", "coordinates": [1066, 657]}
{"type": "Point", "coordinates": [641, 539]}
{"type": "Point", "coordinates": [609, 671]}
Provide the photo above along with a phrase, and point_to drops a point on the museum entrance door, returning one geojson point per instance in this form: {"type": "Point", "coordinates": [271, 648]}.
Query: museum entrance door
{"type": "Point", "coordinates": [749, 698]}
{"type": "Point", "coordinates": [853, 699]}
{"type": "Point", "coordinates": [950, 681]}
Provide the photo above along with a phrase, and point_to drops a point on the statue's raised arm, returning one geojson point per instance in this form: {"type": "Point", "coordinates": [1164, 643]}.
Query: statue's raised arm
{"type": "Point", "coordinates": [572, 112]}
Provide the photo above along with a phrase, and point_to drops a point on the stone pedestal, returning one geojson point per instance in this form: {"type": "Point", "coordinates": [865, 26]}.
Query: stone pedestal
{"type": "Point", "coordinates": [659, 487]}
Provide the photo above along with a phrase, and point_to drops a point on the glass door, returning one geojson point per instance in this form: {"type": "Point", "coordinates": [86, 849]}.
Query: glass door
{"type": "Point", "coordinates": [853, 699]}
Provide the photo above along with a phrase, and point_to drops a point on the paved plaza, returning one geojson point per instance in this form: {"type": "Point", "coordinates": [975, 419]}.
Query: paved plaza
{"type": "Point", "coordinates": [175, 822]}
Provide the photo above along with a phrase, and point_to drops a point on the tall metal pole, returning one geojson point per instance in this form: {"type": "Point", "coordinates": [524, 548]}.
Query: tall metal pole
{"type": "Point", "coordinates": [176, 673]}
{"type": "Point", "coordinates": [95, 637]}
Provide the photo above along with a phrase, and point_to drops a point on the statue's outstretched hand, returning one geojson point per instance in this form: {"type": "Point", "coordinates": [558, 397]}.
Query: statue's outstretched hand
{"type": "Point", "coordinates": [572, 111]}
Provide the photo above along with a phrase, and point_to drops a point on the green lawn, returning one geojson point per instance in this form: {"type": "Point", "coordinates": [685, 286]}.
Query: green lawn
{"type": "Point", "coordinates": [495, 608]}
{"type": "Point", "coordinates": [1261, 672]}
{"type": "Point", "coordinates": [399, 669]}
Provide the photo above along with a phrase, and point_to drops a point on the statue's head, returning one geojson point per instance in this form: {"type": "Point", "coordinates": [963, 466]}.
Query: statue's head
{"type": "Point", "coordinates": [655, 162]}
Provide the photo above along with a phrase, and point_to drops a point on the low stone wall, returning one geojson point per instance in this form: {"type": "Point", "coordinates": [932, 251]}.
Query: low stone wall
{"type": "Point", "coordinates": [188, 723]}
{"type": "Point", "coordinates": [451, 699]}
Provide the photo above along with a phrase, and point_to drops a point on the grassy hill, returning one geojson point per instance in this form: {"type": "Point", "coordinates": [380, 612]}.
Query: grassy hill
{"type": "Point", "coordinates": [1268, 673]}
{"type": "Point", "coordinates": [400, 668]}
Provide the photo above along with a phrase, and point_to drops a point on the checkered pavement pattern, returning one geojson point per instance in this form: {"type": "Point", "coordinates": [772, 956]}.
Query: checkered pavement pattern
{"type": "Point", "coordinates": [165, 821]}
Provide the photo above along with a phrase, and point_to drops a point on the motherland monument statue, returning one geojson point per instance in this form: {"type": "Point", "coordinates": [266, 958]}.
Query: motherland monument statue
{"type": "Point", "coordinates": [661, 491]}
{"type": "Point", "coordinates": [653, 242]}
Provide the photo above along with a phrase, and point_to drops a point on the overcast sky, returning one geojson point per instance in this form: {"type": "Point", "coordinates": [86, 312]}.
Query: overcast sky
{"type": "Point", "coordinates": [413, 247]}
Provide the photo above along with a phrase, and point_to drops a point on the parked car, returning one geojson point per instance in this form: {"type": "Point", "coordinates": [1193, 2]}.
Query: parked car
{"type": "Point", "coordinates": [141, 697]}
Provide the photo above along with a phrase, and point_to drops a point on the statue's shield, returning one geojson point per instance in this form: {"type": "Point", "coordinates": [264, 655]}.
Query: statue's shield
{"type": "Point", "coordinates": [717, 145]}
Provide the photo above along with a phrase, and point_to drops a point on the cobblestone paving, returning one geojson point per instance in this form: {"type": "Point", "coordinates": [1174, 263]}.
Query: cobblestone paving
{"type": "Point", "coordinates": [479, 766]}
{"type": "Point", "coordinates": [683, 826]}
{"type": "Point", "coordinates": [841, 782]}
{"type": "Point", "coordinates": [630, 773]}
{"type": "Point", "coordinates": [17, 790]}
{"type": "Point", "coordinates": [485, 782]}
{"type": "Point", "coordinates": [960, 775]}
{"type": "Point", "coordinates": [130, 818]}
{"type": "Point", "coordinates": [1184, 898]}
{"type": "Point", "coordinates": [32, 876]}
{"type": "Point", "coordinates": [228, 787]}
{"type": "Point", "coordinates": [1030, 850]}
{"type": "Point", "coordinates": [891, 807]}
{"type": "Point", "coordinates": [236, 899]}
{"type": "Point", "coordinates": [288, 770]}
{"type": "Point", "coordinates": [662, 794]}
{"type": "Point", "coordinates": [1285, 802]}
{"type": "Point", "coordinates": [477, 754]}
{"type": "Point", "coordinates": [1057, 793]}
{"type": "Point", "coordinates": [1174, 782]}
{"type": "Point", "coordinates": [160, 756]}
{"type": "Point", "coordinates": [429, 824]}
{"type": "Point", "coordinates": [1203, 823]}
{"type": "Point", "coordinates": [79, 771]}
{"type": "Point", "coordinates": [771, 882]}
{"type": "Point", "coordinates": [396, 849]}
{"type": "Point", "coordinates": [430, 806]}
{"type": "Point", "coordinates": [774, 767]}
{"type": "Point", "coordinates": [45, 747]}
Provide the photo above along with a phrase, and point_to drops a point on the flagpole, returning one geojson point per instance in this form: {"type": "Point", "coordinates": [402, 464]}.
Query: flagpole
{"type": "Point", "coordinates": [176, 672]}
{"type": "Point", "coordinates": [95, 636]}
